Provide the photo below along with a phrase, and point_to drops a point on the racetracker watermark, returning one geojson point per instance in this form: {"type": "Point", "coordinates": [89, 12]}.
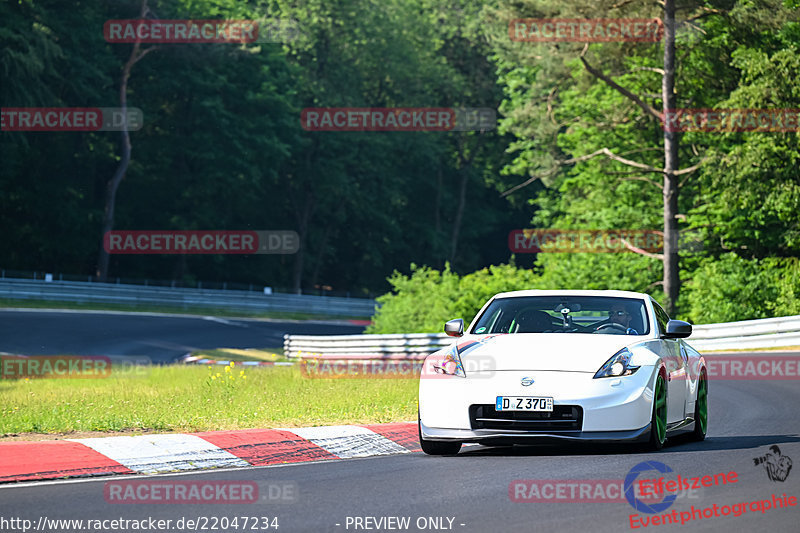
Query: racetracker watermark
{"type": "Point", "coordinates": [596, 241]}
{"type": "Point", "coordinates": [732, 120]}
{"type": "Point", "coordinates": [201, 242]}
{"type": "Point", "coordinates": [360, 368]}
{"type": "Point", "coordinates": [585, 30]}
{"type": "Point", "coordinates": [752, 367]}
{"type": "Point", "coordinates": [71, 366]}
{"type": "Point", "coordinates": [200, 31]}
{"type": "Point", "coordinates": [398, 119]}
{"type": "Point", "coordinates": [54, 366]}
{"type": "Point", "coordinates": [79, 119]}
{"type": "Point", "coordinates": [579, 490]}
{"type": "Point", "coordinates": [137, 492]}
{"type": "Point", "coordinates": [430, 368]}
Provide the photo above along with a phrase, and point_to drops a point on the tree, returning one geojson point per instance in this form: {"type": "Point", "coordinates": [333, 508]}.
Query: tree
{"type": "Point", "coordinates": [137, 53]}
{"type": "Point", "coordinates": [669, 171]}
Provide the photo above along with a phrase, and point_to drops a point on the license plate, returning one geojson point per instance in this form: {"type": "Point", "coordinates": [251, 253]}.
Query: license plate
{"type": "Point", "coordinates": [523, 403]}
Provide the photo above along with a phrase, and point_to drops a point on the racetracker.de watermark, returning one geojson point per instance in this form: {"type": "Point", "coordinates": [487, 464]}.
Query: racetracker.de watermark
{"type": "Point", "coordinates": [596, 241]}
{"type": "Point", "coordinates": [732, 120]}
{"type": "Point", "coordinates": [585, 30]}
{"type": "Point", "coordinates": [360, 368]}
{"type": "Point", "coordinates": [181, 492]}
{"type": "Point", "coordinates": [188, 31]}
{"type": "Point", "coordinates": [54, 366]}
{"type": "Point", "coordinates": [752, 367]}
{"type": "Point", "coordinates": [324, 368]}
{"type": "Point", "coordinates": [398, 119]}
{"type": "Point", "coordinates": [580, 491]}
{"type": "Point", "coordinates": [71, 366]}
{"type": "Point", "coordinates": [79, 119]}
{"type": "Point", "coordinates": [201, 242]}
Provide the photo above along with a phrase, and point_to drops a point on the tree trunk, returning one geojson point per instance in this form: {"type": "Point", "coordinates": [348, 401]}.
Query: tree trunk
{"type": "Point", "coordinates": [122, 168]}
{"type": "Point", "coordinates": [303, 220]}
{"type": "Point", "coordinates": [671, 277]}
{"type": "Point", "coordinates": [119, 175]}
{"type": "Point", "coordinates": [465, 165]}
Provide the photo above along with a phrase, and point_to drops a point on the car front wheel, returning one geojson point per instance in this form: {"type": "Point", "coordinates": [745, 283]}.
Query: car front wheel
{"type": "Point", "coordinates": [701, 409]}
{"type": "Point", "coordinates": [658, 422]}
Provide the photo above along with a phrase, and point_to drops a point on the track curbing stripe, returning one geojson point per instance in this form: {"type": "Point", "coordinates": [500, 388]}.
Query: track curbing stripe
{"type": "Point", "coordinates": [173, 452]}
{"type": "Point", "coordinates": [347, 442]}
{"type": "Point", "coordinates": [153, 454]}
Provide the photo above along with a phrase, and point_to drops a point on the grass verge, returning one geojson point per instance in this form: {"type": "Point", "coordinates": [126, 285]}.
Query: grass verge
{"type": "Point", "coordinates": [198, 398]}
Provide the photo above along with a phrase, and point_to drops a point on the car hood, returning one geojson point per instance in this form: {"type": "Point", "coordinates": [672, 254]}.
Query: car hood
{"type": "Point", "coordinates": [569, 352]}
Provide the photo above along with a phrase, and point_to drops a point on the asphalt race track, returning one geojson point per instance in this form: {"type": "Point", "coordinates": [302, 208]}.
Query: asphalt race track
{"type": "Point", "coordinates": [471, 492]}
{"type": "Point", "coordinates": [161, 338]}
{"type": "Point", "coordinates": [472, 489]}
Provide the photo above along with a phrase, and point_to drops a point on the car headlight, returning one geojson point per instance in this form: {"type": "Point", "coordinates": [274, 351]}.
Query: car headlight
{"type": "Point", "coordinates": [450, 364]}
{"type": "Point", "coordinates": [618, 365]}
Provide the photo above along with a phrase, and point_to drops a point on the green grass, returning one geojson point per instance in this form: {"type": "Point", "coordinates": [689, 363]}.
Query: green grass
{"type": "Point", "coordinates": [185, 398]}
{"type": "Point", "coordinates": [91, 306]}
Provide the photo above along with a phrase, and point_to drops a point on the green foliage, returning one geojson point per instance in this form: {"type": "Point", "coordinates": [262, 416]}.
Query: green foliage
{"type": "Point", "coordinates": [425, 300]}
{"type": "Point", "coordinates": [618, 271]}
{"type": "Point", "coordinates": [222, 146]}
{"type": "Point", "coordinates": [418, 303]}
{"type": "Point", "coordinates": [732, 288]}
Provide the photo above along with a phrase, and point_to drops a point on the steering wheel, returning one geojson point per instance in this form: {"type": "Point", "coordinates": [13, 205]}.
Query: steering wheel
{"type": "Point", "coordinates": [612, 325]}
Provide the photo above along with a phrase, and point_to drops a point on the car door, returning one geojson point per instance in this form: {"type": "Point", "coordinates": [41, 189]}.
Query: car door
{"type": "Point", "coordinates": [676, 364]}
{"type": "Point", "coordinates": [692, 375]}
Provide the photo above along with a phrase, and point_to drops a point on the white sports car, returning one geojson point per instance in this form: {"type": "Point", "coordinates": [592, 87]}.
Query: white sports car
{"type": "Point", "coordinates": [577, 365]}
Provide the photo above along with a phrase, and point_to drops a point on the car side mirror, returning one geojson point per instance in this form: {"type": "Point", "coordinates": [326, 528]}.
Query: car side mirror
{"type": "Point", "coordinates": [454, 328]}
{"type": "Point", "coordinates": [677, 329]}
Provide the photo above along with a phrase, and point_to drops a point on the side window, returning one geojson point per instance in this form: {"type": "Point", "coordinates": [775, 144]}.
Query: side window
{"type": "Point", "coordinates": [661, 317]}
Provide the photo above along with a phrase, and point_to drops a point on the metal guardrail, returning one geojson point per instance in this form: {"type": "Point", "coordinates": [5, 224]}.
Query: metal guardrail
{"type": "Point", "coordinates": [230, 300]}
{"type": "Point", "coordinates": [748, 334]}
{"type": "Point", "coordinates": [398, 346]}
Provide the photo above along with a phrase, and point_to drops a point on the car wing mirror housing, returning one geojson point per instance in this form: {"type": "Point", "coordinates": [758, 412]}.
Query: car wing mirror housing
{"type": "Point", "coordinates": [454, 328]}
{"type": "Point", "coordinates": [677, 329]}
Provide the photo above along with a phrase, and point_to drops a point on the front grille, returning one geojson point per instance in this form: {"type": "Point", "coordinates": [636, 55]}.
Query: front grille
{"type": "Point", "coordinates": [562, 418]}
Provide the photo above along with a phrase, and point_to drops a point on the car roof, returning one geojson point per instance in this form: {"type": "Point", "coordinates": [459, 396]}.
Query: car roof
{"type": "Point", "coordinates": [560, 292]}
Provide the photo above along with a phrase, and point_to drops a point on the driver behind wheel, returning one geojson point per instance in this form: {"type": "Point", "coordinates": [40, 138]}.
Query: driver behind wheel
{"type": "Point", "coordinates": [619, 316]}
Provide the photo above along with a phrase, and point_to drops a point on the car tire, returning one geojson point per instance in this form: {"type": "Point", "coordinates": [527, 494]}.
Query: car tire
{"type": "Point", "coordinates": [658, 420]}
{"type": "Point", "coordinates": [432, 447]}
{"type": "Point", "coordinates": [701, 409]}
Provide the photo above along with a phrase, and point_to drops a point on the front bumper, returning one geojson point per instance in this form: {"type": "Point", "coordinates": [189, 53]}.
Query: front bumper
{"type": "Point", "coordinates": [488, 436]}
{"type": "Point", "coordinates": [612, 409]}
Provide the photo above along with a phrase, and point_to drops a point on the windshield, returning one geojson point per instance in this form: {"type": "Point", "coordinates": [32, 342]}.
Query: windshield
{"type": "Point", "coordinates": [565, 314]}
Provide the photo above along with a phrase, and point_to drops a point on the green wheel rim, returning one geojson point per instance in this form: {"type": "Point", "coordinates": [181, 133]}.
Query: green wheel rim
{"type": "Point", "coordinates": [661, 410]}
{"type": "Point", "coordinates": [702, 403]}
